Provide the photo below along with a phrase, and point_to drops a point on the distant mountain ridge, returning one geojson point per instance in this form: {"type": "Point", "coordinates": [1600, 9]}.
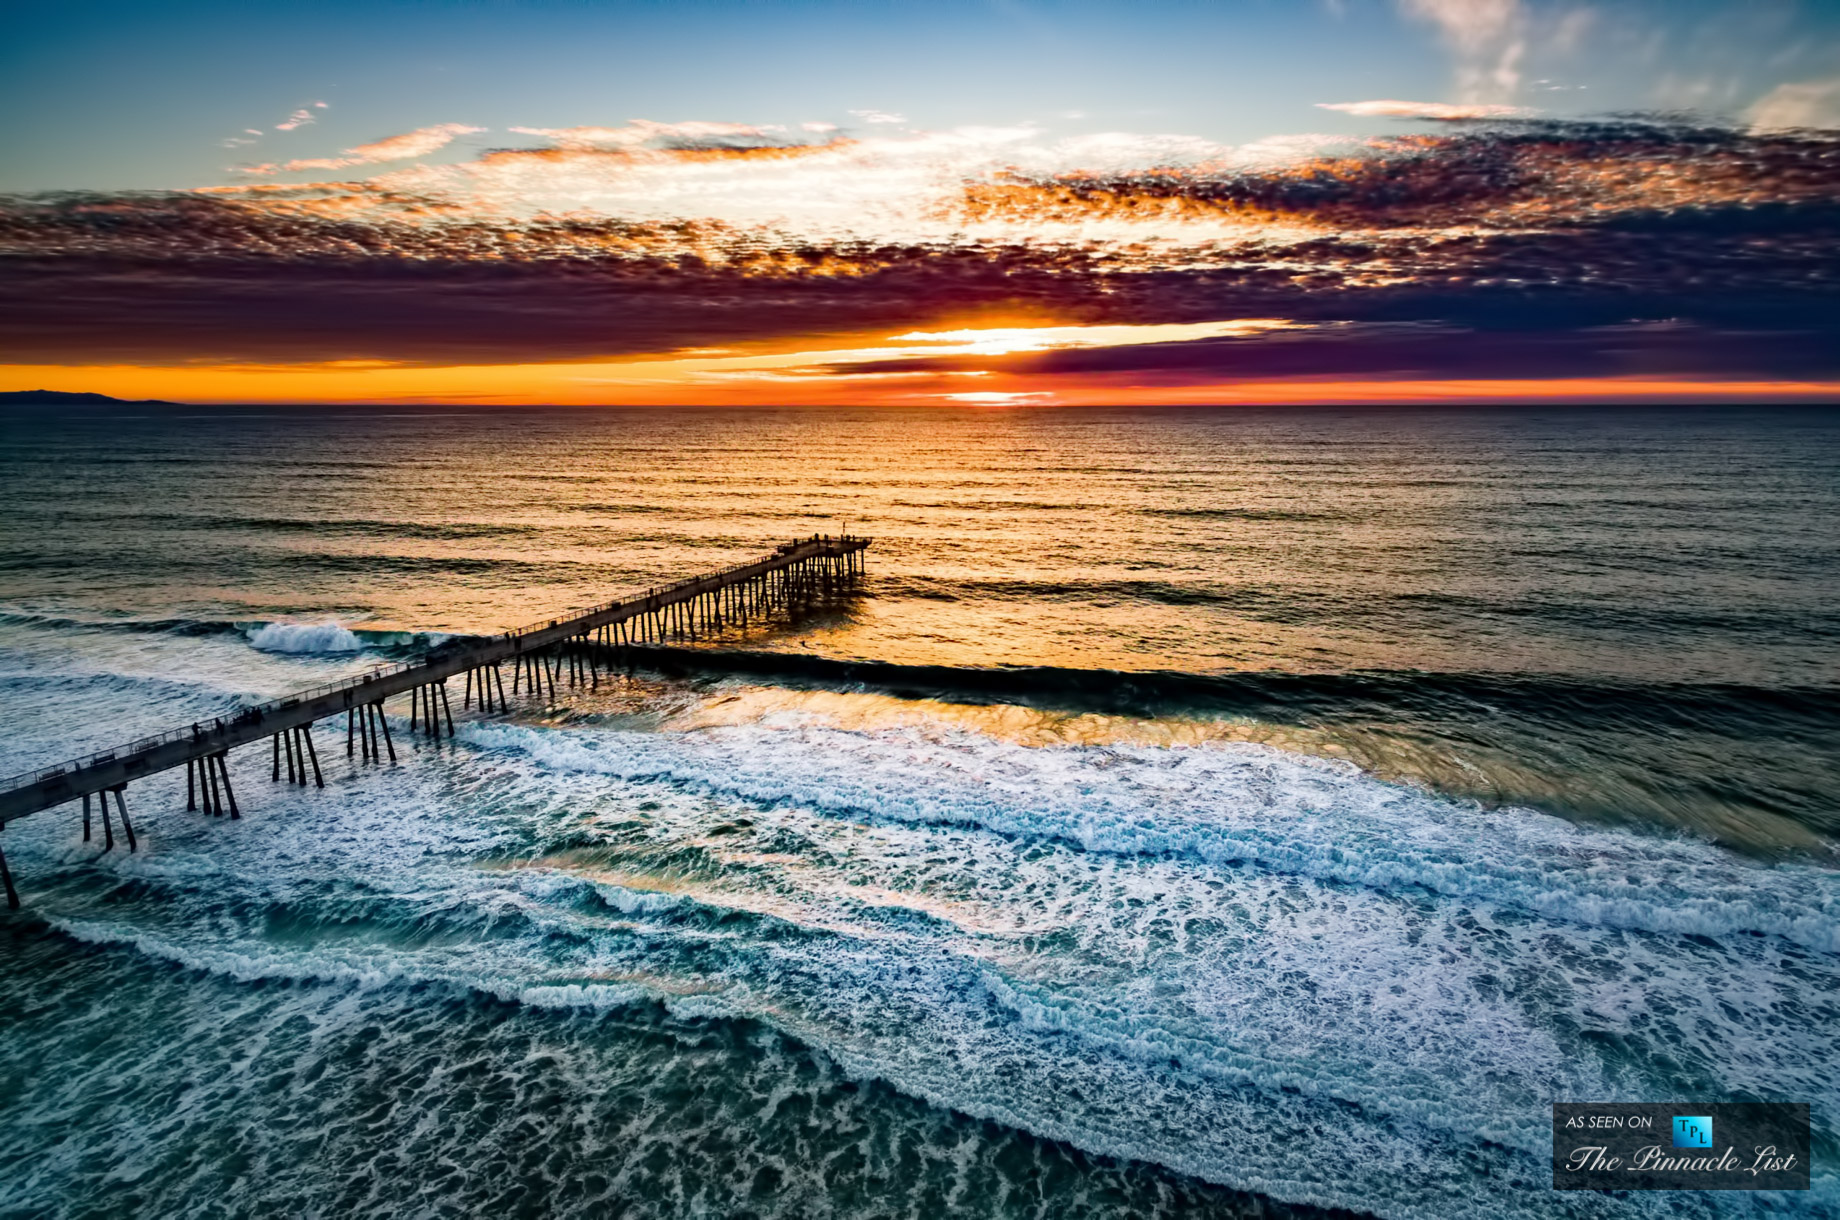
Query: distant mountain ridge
{"type": "Point", "coordinates": [79, 399]}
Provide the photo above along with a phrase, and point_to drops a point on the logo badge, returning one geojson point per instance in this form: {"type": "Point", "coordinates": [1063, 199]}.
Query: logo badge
{"type": "Point", "coordinates": [1692, 1132]}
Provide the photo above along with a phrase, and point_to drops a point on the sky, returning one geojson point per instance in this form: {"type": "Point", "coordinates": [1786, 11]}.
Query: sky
{"type": "Point", "coordinates": [993, 203]}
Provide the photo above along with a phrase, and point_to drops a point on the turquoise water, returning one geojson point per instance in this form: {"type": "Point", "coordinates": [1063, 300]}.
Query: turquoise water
{"type": "Point", "coordinates": [1202, 813]}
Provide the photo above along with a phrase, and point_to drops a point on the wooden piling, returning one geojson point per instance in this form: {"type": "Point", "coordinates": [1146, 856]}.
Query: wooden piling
{"type": "Point", "coordinates": [6, 876]}
{"type": "Point", "coordinates": [223, 767]}
{"type": "Point", "coordinates": [385, 725]}
{"type": "Point", "coordinates": [86, 817]}
{"type": "Point", "coordinates": [306, 735]}
{"type": "Point", "coordinates": [121, 806]}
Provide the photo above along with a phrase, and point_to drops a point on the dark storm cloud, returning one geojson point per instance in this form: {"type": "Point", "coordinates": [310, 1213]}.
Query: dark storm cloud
{"type": "Point", "coordinates": [1353, 351]}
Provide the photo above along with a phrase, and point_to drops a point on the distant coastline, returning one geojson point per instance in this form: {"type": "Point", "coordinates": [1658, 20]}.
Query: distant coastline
{"type": "Point", "coordinates": [78, 399]}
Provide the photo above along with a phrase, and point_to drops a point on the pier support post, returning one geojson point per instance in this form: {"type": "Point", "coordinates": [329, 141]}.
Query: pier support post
{"type": "Point", "coordinates": [446, 708]}
{"type": "Point", "coordinates": [6, 875]}
{"type": "Point", "coordinates": [306, 736]}
{"type": "Point", "coordinates": [121, 806]}
{"type": "Point", "coordinates": [108, 828]}
{"type": "Point", "coordinates": [385, 725]}
{"type": "Point", "coordinates": [274, 776]}
{"type": "Point", "coordinates": [223, 767]}
{"type": "Point", "coordinates": [86, 817]}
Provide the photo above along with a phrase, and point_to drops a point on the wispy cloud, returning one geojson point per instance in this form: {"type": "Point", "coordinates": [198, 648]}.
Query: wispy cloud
{"type": "Point", "coordinates": [411, 144]}
{"type": "Point", "coordinates": [1488, 38]}
{"type": "Point", "coordinates": [417, 143]}
{"type": "Point", "coordinates": [878, 116]}
{"type": "Point", "coordinates": [301, 117]}
{"type": "Point", "coordinates": [642, 132]}
{"type": "Point", "coordinates": [1389, 108]}
{"type": "Point", "coordinates": [1804, 104]}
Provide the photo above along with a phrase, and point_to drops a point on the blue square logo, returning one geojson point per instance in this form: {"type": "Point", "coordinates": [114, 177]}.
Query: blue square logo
{"type": "Point", "coordinates": [1691, 1132]}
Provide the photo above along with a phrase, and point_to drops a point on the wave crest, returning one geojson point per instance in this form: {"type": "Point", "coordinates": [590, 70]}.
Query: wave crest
{"type": "Point", "coordinates": [326, 637]}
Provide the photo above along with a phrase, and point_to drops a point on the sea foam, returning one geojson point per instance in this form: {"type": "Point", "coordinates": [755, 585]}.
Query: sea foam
{"type": "Point", "coordinates": [326, 637]}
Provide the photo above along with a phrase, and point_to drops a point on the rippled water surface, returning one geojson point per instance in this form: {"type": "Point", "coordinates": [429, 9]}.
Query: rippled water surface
{"type": "Point", "coordinates": [1199, 813]}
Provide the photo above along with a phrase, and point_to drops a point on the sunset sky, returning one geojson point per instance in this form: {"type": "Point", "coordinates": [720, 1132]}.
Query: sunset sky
{"type": "Point", "coordinates": [998, 203]}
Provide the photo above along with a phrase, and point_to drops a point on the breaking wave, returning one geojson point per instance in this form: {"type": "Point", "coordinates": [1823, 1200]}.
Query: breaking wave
{"type": "Point", "coordinates": [304, 637]}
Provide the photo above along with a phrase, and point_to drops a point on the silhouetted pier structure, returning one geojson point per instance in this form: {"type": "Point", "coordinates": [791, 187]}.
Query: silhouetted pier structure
{"type": "Point", "coordinates": [796, 575]}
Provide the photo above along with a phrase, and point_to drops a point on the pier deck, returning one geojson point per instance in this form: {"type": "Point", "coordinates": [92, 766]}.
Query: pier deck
{"type": "Point", "coordinates": [794, 574]}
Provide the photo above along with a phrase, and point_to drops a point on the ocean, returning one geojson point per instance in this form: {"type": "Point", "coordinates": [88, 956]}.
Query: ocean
{"type": "Point", "coordinates": [1198, 813]}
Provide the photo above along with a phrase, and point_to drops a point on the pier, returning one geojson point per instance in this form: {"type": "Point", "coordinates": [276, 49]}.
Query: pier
{"type": "Point", "coordinates": [569, 651]}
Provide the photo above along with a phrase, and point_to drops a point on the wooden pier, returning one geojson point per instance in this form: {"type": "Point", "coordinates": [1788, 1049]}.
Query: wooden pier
{"type": "Point", "coordinates": [561, 650]}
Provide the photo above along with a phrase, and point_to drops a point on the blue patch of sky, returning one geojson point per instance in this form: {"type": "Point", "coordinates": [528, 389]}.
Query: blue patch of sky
{"type": "Point", "coordinates": [144, 95]}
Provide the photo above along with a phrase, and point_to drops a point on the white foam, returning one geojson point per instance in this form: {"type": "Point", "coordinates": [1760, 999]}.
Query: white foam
{"type": "Point", "coordinates": [1230, 804]}
{"type": "Point", "coordinates": [326, 637]}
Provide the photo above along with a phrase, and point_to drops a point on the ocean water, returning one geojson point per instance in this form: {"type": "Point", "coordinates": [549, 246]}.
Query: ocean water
{"type": "Point", "coordinates": [1201, 813]}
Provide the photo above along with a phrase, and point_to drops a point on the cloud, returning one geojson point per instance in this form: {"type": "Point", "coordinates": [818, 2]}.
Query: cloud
{"type": "Point", "coordinates": [1488, 38]}
{"type": "Point", "coordinates": [643, 132]}
{"type": "Point", "coordinates": [411, 144]}
{"type": "Point", "coordinates": [1427, 110]}
{"type": "Point", "coordinates": [302, 116]}
{"type": "Point", "coordinates": [1813, 104]}
{"type": "Point", "coordinates": [818, 128]}
{"type": "Point", "coordinates": [1411, 253]}
{"type": "Point", "coordinates": [417, 143]}
{"type": "Point", "coordinates": [879, 116]}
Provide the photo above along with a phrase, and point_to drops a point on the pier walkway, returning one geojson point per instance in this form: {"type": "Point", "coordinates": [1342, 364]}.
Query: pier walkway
{"type": "Point", "coordinates": [797, 574]}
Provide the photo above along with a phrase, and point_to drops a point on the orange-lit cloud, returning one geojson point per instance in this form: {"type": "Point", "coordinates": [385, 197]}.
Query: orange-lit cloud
{"type": "Point", "coordinates": [417, 143]}
{"type": "Point", "coordinates": [1389, 108]}
{"type": "Point", "coordinates": [641, 132]}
